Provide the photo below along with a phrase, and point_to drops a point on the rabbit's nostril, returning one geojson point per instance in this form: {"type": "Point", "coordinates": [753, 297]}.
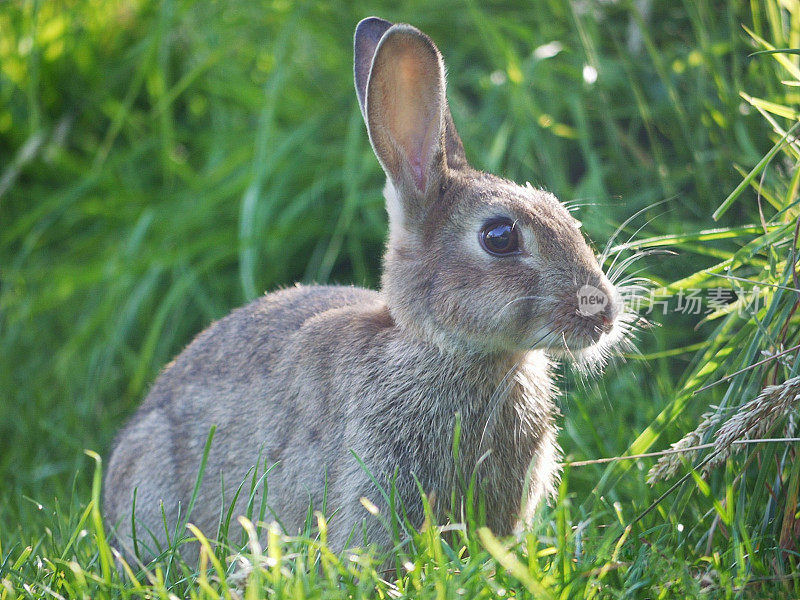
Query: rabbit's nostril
{"type": "Point", "coordinates": [607, 320]}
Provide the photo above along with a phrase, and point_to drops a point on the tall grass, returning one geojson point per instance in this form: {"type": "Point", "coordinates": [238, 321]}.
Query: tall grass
{"type": "Point", "coordinates": [752, 357]}
{"type": "Point", "coordinates": [162, 162]}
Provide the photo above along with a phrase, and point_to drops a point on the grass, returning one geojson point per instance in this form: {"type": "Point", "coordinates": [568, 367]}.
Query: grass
{"type": "Point", "coordinates": [163, 162]}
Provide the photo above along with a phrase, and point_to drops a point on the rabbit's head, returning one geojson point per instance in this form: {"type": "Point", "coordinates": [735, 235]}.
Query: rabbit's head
{"type": "Point", "coordinates": [474, 262]}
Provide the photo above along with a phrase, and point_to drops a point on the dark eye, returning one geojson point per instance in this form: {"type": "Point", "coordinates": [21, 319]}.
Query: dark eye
{"type": "Point", "coordinates": [500, 237]}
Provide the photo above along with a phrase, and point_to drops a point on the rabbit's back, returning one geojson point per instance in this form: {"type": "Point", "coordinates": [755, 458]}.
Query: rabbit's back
{"type": "Point", "coordinates": [242, 347]}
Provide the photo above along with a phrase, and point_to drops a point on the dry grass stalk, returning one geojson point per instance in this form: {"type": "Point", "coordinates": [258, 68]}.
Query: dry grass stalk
{"type": "Point", "coordinates": [757, 417]}
{"type": "Point", "coordinates": [668, 465]}
{"type": "Point", "coordinates": [753, 420]}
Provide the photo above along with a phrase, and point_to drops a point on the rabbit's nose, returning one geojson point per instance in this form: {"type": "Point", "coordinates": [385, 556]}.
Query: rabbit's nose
{"type": "Point", "coordinates": [608, 315]}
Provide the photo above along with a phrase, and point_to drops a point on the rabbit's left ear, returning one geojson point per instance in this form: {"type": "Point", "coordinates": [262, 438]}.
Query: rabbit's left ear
{"type": "Point", "coordinates": [405, 110]}
{"type": "Point", "coordinates": [368, 35]}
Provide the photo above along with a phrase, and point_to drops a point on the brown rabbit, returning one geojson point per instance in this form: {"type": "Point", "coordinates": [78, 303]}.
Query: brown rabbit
{"type": "Point", "coordinates": [483, 282]}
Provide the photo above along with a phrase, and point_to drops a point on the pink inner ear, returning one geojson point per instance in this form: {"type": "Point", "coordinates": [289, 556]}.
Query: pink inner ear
{"type": "Point", "coordinates": [419, 176]}
{"type": "Point", "coordinates": [415, 112]}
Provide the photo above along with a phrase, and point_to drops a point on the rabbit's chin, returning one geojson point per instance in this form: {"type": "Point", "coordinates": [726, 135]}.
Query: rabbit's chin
{"type": "Point", "coordinates": [591, 355]}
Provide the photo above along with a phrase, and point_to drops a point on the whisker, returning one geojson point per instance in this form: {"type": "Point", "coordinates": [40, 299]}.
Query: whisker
{"type": "Point", "coordinates": [624, 224]}
{"type": "Point", "coordinates": [572, 206]}
{"type": "Point", "coordinates": [614, 273]}
{"type": "Point", "coordinates": [510, 302]}
{"type": "Point", "coordinates": [633, 235]}
{"type": "Point", "coordinates": [628, 280]}
{"type": "Point", "coordinates": [498, 396]}
{"type": "Point", "coordinates": [566, 346]}
{"type": "Point", "coordinates": [495, 401]}
{"type": "Point", "coordinates": [636, 272]}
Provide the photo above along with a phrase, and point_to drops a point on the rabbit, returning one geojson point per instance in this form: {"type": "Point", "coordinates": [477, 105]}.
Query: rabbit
{"type": "Point", "coordinates": [345, 393]}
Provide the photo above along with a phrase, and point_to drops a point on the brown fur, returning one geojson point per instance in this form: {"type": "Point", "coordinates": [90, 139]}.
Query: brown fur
{"type": "Point", "coordinates": [304, 377]}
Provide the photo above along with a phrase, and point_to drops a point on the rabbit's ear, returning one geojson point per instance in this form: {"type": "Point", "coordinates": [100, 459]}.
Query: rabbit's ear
{"type": "Point", "coordinates": [369, 32]}
{"type": "Point", "coordinates": [406, 110]}
{"type": "Point", "coordinates": [456, 158]}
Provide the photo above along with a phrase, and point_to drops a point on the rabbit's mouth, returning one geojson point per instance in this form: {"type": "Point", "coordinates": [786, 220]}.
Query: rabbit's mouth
{"type": "Point", "coordinates": [572, 344]}
{"type": "Point", "coordinates": [589, 346]}
{"type": "Point", "coordinates": [577, 329]}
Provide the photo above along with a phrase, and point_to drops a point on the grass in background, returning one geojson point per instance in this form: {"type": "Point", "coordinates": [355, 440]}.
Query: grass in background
{"type": "Point", "coordinates": [162, 162]}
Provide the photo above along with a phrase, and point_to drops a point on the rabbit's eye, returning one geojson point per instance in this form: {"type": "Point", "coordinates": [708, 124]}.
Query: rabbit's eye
{"type": "Point", "coordinates": [500, 237]}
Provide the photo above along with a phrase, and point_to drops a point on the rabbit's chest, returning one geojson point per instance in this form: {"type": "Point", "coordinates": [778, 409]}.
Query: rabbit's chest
{"type": "Point", "coordinates": [445, 424]}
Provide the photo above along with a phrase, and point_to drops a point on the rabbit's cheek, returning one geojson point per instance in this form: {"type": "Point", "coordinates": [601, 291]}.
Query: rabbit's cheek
{"type": "Point", "coordinates": [533, 328]}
